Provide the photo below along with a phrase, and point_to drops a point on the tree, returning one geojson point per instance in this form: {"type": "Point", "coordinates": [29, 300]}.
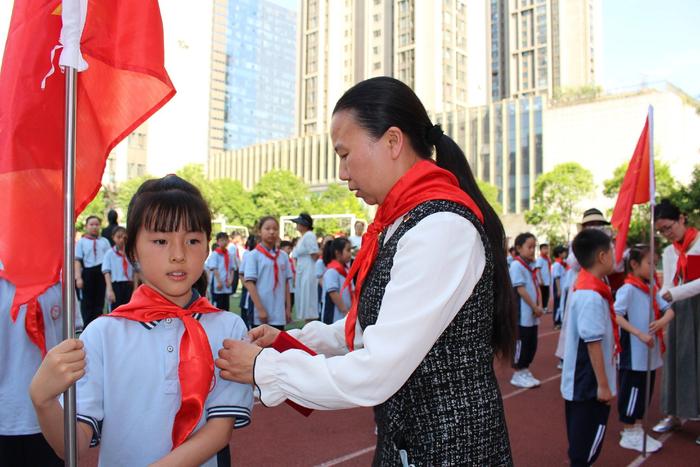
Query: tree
{"type": "Point", "coordinates": [557, 194]}
{"type": "Point", "coordinates": [230, 200]}
{"type": "Point", "coordinates": [194, 173]}
{"type": "Point", "coordinates": [490, 192]}
{"type": "Point", "coordinates": [337, 199]}
{"type": "Point", "coordinates": [280, 193]}
{"type": "Point", "coordinates": [127, 190]}
{"type": "Point", "coordinates": [97, 207]}
{"type": "Point", "coordinates": [688, 198]}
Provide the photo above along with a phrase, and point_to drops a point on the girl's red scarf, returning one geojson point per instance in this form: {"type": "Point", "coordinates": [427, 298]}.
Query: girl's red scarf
{"type": "Point", "coordinates": [533, 275]}
{"type": "Point", "coordinates": [227, 261]}
{"type": "Point", "coordinates": [273, 258]}
{"type": "Point", "coordinates": [125, 263]}
{"type": "Point", "coordinates": [94, 244]}
{"type": "Point", "coordinates": [644, 287]}
{"type": "Point", "coordinates": [33, 323]}
{"type": "Point", "coordinates": [425, 181]}
{"type": "Point", "coordinates": [562, 263]}
{"type": "Point", "coordinates": [682, 247]}
{"type": "Point", "coordinates": [587, 281]}
{"type": "Point", "coordinates": [196, 367]}
{"type": "Point", "coordinates": [340, 268]}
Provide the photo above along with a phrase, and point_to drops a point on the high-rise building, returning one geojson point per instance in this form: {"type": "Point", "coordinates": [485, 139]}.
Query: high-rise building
{"type": "Point", "coordinates": [543, 46]}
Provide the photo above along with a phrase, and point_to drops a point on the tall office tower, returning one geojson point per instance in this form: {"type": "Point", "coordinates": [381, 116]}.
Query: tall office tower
{"type": "Point", "coordinates": [542, 46]}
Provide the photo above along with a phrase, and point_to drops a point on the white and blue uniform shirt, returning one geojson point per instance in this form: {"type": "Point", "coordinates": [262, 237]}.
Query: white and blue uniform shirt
{"type": "Point", "coordinates": [235, 255]}
{"type": "Point", "coordinates": [216, 262]}
{"type": "Point", "coordinates": [558, 272]}
{"type": "Point", "coordinates": [589, 321]}
{"type": "Point", "coordinates": [319, 268]}
{"type": "Point", "coordinates": [633, 304]}
{"type": "Point", "coordinates": [130, 393]}
{"type": "Point", "coordinates": [333, 282]}
{"type": "Point", "coordinates": [545, 272]}
{"type": "Point", "coordinates": [260, 269]}
{"type": "Point", "coordinates": [521, 277]}
{"type": "Point", "coordinates": [112, 264]}
{"type": "Point", "coordinates": [21, 358]}
{"type": "Point", "coordinates": [91, 252]}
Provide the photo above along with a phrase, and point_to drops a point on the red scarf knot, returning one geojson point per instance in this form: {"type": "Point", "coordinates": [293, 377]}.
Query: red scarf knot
{"type": "Point", "coordinates": [273, 258]}
{"type": "Point", "coordinates": [546, 258]}
{"type": "Point", "coordinates": [94, 244]}
{"type": "Point", "coordinates": [587, 281]}
{"type": "Point", "coordinates": [682, 247]}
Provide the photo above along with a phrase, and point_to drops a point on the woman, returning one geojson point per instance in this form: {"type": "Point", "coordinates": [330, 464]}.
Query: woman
{"type": "Point", "coordinates": [680, 393]}
{"type": "Point", "coordinates": [419, 343]}
{"type": "Point", "coordinates": [305, 255]}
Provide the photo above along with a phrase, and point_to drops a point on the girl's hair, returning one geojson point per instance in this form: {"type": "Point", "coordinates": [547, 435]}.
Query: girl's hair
{"type": "Point", "coordinates": [166, 205]}
{"type": "Point", "coordinates": [264, 219]}
{"type": "Point", "coordinates": [90, 217]}
{"type": "Point", "coordinates": [636, 254]}
{"type": "Point", "coordinates": [378, 104]}
{"type": "Point", "coordinates": [522, 238]}
{"type": "Point", "coordinates": [251, 243]}
{"type": "Point", "coordinates": [664, 210]}
{"type": "Point", "coordinates": [221, 235]}
{"type": "Point", "coordinates": [118, 229]}
{"type": "Point", "coordinates": [333, 246]}
{"type": "Point", "coordinates": [558, 250]}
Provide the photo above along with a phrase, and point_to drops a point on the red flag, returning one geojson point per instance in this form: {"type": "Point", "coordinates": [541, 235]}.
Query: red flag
{"type": "Point", "coordinates": [635, 189]}
{"type": "Point", "coordinates": [125, 83]}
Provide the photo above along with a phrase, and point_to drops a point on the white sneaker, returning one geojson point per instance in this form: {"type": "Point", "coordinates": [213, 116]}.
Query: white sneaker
{"type": "Point", "coordinates": [667, 424]}
{"type": "Point", "coordinates": [633, 439]}
{"type": "Point", "coordinates": [535, 381]}
{"type": "Point", "coordinates": [521, 380]}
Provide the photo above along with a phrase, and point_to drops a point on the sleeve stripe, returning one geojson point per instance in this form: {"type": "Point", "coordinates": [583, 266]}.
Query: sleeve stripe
{"type": "Point", "coordinates": [96, 435]}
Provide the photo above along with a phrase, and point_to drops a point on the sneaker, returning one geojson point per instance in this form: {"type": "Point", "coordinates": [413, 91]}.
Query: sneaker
{"type": "Point", "coordinates": [560, 365]}
{"type": "Point", "coordinates": [521, 380]}
{"type": "Point", "coordinates": [535, 381]}
{"type": "Point", "coordinates": [697, 440]}
{"type": "Point", "coordinates": [633, 439]}
{"type": "Point", "coordinates": [667, 424]}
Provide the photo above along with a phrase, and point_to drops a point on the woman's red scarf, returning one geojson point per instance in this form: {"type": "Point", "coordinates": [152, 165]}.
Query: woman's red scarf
{"type": "Point", "coordinates": [273, 258]}
{"type": "Point", "coordinates": [227, 261]}
{"type": "Point", "coordinates": [533, 275]}
{"type": "Point", "coordinates": [125, 263]}
{"type": "Point", "coordinates": [425, 181]}
{"type": "Point", "coordinates": [682, 247]}
{"type": "Point", "coordinates": [196, 366]}
{"type": "Point", "coordinates": [587, 281]}
{"type": "Point", "coordinates": [644, 287]}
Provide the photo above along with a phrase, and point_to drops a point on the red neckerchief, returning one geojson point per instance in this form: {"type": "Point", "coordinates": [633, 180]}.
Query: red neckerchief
{"type": "Point", "coordinates": [196, 366]}
{"type": "Point", "coordinates": [293, 266]}
{"type": "Point", "coordinates": [425, 181]}
{"type": "Point", "coordinates": [533, 275]}
{"type": "Point", "coordinates": [546, 257]}
{"type": "Point", "coordinates": [273, 258]}
{"type": "Point", "coordinates": [562, 263]}
{"type": "Point", "coordinates": [94, 244]}
{"type": "Point", "coordinates": [33, 323]}
{"type": "Point", "coordinates": [340, 268]}
{"type": "Point", "coordinates": [587, 281]}
{"type": "Point", "coordinates": [227, 260]}
{"type": "Point", "coordinates": [125, 263]}
{"type": "Point", "coordinates": [682, 248]}
{"type": "Point", "coordinates": [644, 287]}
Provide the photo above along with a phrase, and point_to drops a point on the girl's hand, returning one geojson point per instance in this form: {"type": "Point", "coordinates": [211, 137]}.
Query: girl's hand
{"type": "Point", "coordinates": [656, 326]}
{"type": "Point", "coordinates": [604, 394]}
{"type": "Point", "coordinates": [263, 336]}
{"type": "Point", "coordinates": [288, 314]}
{"type": "Point", "coordinates": [79, 282]}
{"type": "Point", "coordinates": [262, 315]}
{"type": "Point", "coordinates": [219, 286]}
{"type": "Point", "coordinates": [62, 366]}
{"type": "Point", "coordinates": [229, 283]}
{"type": "Point", "coordinates": [646, 339]}
{"type": "Point", "coordinates": [538, 312]}
{"type": "Point", "coordinates": [667, 296]}
{"type": "Point", "coordinates": [111, 297]}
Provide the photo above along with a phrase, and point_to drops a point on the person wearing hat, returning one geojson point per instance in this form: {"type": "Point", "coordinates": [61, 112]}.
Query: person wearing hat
{"type": "Point", "coordinates": [305, 254]}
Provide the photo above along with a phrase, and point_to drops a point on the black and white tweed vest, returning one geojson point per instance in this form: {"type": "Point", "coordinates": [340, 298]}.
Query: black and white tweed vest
{"type": "Point", "coordinates": [449, 411]}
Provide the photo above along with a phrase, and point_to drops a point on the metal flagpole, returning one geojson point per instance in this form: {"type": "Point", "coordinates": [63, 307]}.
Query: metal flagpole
{"type": "Point", "coordinates": [652, 203]}
{"type": "Point", "coordinates": [69, 404]}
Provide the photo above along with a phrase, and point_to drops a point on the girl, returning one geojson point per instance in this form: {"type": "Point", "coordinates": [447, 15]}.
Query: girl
{"type": "Point", "coordinates": [89, 254]}
{"type": "Point", "coordinates": [267, 276]}
{"type": "Point", "coordinates": [221, 268]}
{"type": "Point", "coordinates": [118, 271]}
{"type": "Point", "coordinates": [336, 298]}
{"type": "Point", "coordinates": [558, 272]}
{"type": "Point", "coordinates": [638, 333]}
{"type": "Point", "coordinates": [524, 280]}
{"type": "Point", "coordinates": [246, 304]}
{"type": "Point", "coordinates": [165, 338]}
{"type": "Point", "coordinates": [319, 270]}
{"type": "Point", "coordinates": [305, 254]}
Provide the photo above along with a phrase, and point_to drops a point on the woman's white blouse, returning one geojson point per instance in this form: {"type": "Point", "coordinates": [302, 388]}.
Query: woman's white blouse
{"type": "Point", "coordinates": [669, 261]}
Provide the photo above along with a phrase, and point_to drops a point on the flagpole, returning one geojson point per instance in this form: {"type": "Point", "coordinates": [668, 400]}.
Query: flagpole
{"type": "Point", "coordinates": [652, 203]}
{"type": "Point", "coordinates": [69, 414]}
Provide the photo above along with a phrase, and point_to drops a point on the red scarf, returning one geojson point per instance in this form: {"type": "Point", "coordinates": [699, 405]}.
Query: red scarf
{"type": "Point", "coordinates": [94, 244]}
{"type": "Point", "coordinates": [644, 287]}
{"type": "Point", "coordinates": [682, 247]}
{"type": "Point", "coordinates": [125, 263]}
{"type": "Point", "coordinates": [425, 181]}
{"type": "Point", "coordinates": [33, 323]}
{"type": "Point", "coordinates": [546, 257]}
{"type": "Point", "coordinates": [587, 281]}
{"type": "Point", "coordinates": [273, 258]}
{"type": "Point", "coordinates": [562, 263]}
{"type": "Point", "coordinates": [227, 260]}
{"type": "Point", "coordinates": [196, 366]}
{"type": "Point", "coordinates": [533, 274]}
{"type": "Point", "coordinates": [340, 268]}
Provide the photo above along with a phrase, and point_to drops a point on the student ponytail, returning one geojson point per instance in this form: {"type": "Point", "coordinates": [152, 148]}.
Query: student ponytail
{"type": "Point", "coordinates": [337, 245]}
{"type": "Point", "coordinates": [378, 104]}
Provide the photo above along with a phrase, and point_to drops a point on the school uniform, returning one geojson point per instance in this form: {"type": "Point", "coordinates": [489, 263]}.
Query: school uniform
{"type": "Point", "coordinates": [235, 255]}
{"type": "Point", "coordinates": [122, 272]}
{"type": "Point", "coordinates": [544, 264]}
{"type": "Point", "coordinates": [558, 272]}
{"type": "Point", "coordinates": [333, 282]}
{"type": "Point", "coordinates": [319, 269]}
{"type": "Point", "coordinates": [526, 345]}
{"type": "Point", "coordinates": [131, 391]}
{"type": "Point", "coordinates": [260, 269]}
{"type": "Point", "coordinates": [21, 441]}
{"type": "Point", "coordinates": [90, 252]}
{"type": "Point", "coordinates": [586, 418]}
{"type": "Point", "coordinates": [220, 290]}
{"type": "Point", "coordinates": [633, 304]}
{"type": "Point", "coordinates": [245, 303]}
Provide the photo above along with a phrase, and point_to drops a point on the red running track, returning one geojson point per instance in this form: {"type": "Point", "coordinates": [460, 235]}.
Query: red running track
{"type": "Point", "coordinates": [279, 436]}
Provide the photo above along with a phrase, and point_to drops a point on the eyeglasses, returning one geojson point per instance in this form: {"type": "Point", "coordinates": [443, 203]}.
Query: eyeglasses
{"type": "Point", "coordinates": [666, 229]}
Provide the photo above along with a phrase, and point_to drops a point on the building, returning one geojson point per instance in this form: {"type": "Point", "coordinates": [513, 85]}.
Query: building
{"type": "Point", "coordinates": [128, 159]}
{"type": "Point", "coordinates": [543, 46]}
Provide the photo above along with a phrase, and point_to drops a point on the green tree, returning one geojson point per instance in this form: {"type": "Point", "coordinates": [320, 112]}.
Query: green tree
{"type": "Point", "coordinates": [557, 194]}
{"type": "Point", "coordinates": [491, 194]}
{"type": "Point", "coordinates": [280, 193]}
{"type": "Point", "coordinates": [126, 190]}
{"type": "Point", "coordinates": [194, 173]}
{"type": "Point", "coordinates": [688, 198]}
{"type": "Point", "coordinates": [97, 207]}
{"type": "Point", "coordinates": [229, 199]}
{"type": "Point", "coordinates": [336, 199]}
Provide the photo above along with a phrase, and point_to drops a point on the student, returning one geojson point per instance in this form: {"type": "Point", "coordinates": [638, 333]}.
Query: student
{"type": "Point", "coordinates": [336, 298]}
{"type": "Point", "coordinates": [287, 247]}
{"type": "Point", "coordinates": [246, 304]}
{"type": "Point", "coordinates": [319, 270]}
{"type": "Point", "coordinates": [557, 280]}
{"type": "Point", "coordinates": [356, 240]}
{"type": "Point", "coordinates": [544, 274]}
{"type": "Point", "coordinates": [638, 335]}
{"type": "Point", "coordinates": [267, 277]}
{"type": "Point", "coordinates": [524, 280]}
{"type": "Point", "coordinates": [511, 255]}
{"type": "Point", "coordinates": [148, 393]}
{"type": "Point", "coordinates": [235, 254]}
{"type": "Point", "coordinates": [118, 271]}
{"type": "Point", "coordinates": [221, 268]}
{"type": "Point", "coordinates": [591, 344]}
{"type": "Point", "coordinates": [21, 441]}
{"type": "Point", "coordinates": [89, 254]}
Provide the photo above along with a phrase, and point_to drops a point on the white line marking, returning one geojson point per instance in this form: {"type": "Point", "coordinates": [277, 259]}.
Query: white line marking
{"type": "Point", "coordinates": [520, 391]}
{"type": "Point", "coordinates": [550, 333]}
{"type": "Point", "coordinates": [662, 439]}
{"type": "Point", "coordinates": [347, 457]}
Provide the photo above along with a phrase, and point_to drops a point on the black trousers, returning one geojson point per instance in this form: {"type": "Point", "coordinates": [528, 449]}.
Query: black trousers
{"type": "Point", "coordinates": [246, 309]}
{"type": "Point", "coordinates": [27, 451]}
{"type": "Point", "coordinates": [586, 422]}
{"type": "Point", "coordinates": [525, 347]}
{"type": "Point", "coordinates": [236, 280]}
{"type": "Point", "coordinates": [92, 302]}
{"type": "Point", "coordinates": [544, 290]}
{"type": "Point", "coordinates": [328, 310]}
{"type": "Point", "coordinates": [222, 300]}
{"type": "Point", "coordinates": [122, 293]}
{"type": "Point", "coordinates": [630, 400]}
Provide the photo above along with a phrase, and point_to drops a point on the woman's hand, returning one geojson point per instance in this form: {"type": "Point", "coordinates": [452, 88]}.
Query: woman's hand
{"type": "Point", "coordinates": [263, 336]}
{"type": "Point", "coordinates": [62, 366]}
{"type": "Point", "coordinates": [236, 361]}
